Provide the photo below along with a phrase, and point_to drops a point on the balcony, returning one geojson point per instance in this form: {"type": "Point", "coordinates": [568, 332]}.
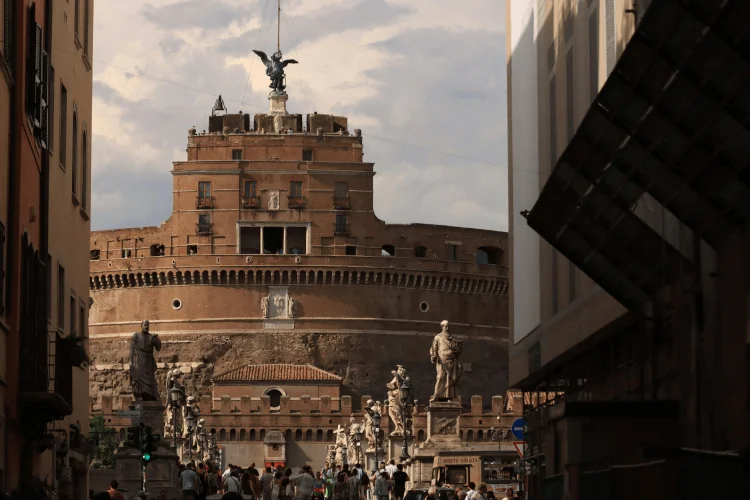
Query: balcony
{"type": "Point", "coordinates": [342, 203]}
{"type": "Point", "coordinates": [298, 203]}
{"type": "Point", "coordinates": [205, 202]}
{"type": "Point", "coordinates": [341, 229]}
{"type": "Point", "coordinates": [251, 202]}
{"type": "Point", "coordinates": [204, 228]}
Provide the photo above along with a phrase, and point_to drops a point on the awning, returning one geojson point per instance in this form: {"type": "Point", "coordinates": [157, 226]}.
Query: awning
{"type": "Point", "coordinates": [673, 121]}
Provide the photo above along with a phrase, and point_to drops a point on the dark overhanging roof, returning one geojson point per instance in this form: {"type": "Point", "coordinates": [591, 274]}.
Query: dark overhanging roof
{"type": "Point", "coordinates": [671, 121]}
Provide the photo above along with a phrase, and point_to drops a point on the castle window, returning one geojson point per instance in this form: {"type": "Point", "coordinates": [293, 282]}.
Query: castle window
{"type": "Point", "coordinates": [451, 252]}
{"type": "Point", "coordinates": [351, 250]}
{"type": "Point", "coordinates": [295, 189]}
{"type": "Point", "coordinates": [489, 255]}
{"type": "Point", "coordinates": [157, 250]}
{"type": "Point", "coordinates": [420, 251]}
{"type": "Point", "coordinates": [192, 250]}
{"type": "Point", "coordinates": [388, 251]}
{"type": "Point", "coordinates": [204, 189]}
{"type": "Point", "coordinates": [236, 154]}
{"type": "Point", "coordinates": [126, 253]}
{"type": "Point", "coordinates": [307, 156]}
{"type": "Point", "coordinates": [275, 398]}
{"type": "Point", "coordinates": [341, 226]}
{"type": "Point", "coordinates": [251, 188]}
{"type": "Point", "coordinates": [94, 254]}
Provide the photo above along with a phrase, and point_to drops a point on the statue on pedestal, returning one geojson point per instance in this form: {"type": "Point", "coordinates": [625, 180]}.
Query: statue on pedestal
{"type": "Point", "coordinates": [143, 364]}
{"type": "Point", "coordinates": [444, 354]}
{"type": "Point", "coordinates": [395, 406]}
{"type": "Point", "coordinates": [173, 382]}
{"type": "Point", "coordinates": [372, 408]}
{"type": "Point", "coordinates": [341, 446]}
{"type": "Point", "coordinates": [264, 306]}
{"type": "Point", "coordinates": [291, 308]}
{"type": "Point", "coordinates": [275, 70]}
{"type": "Point", "coordinates": [351, 447]}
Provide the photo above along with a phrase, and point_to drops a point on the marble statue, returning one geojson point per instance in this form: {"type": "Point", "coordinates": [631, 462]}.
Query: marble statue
{"type": "Point", "coordinates": [331, 456]}
{"type": "Point", "coordinates": [341, 446]}
{"type": "Point", "coordinates": [264, 306]}
{"type": "Point", "coordinates": [372, 408]}
{"type": "Point", "coordinates": [444, 354]}
{"type": "Point", "coordinates": [291, 307]}
{"type": "Point", "coordinates": [173, 381]}
{"type": "Point", "coordinates": [198, 437]}
{"type": "Point", "coordinates": [279, 303]}
{"type": "Point", "coordinates": [275, 70]}
{"type": "Point", "coordinates": [273, 200]}
{"type": "Point", "coordinates": [351, 445]}
{"type": "Point", "coordinates": [395, 406]}
{"type": "Point", "coordinates": [191, 408]}
{"type": "Point", "coordinates": [143, 364]}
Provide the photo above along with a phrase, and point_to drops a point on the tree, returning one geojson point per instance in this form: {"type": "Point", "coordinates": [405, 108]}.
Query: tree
{"type": "Point", "coordinates": [106, 442]}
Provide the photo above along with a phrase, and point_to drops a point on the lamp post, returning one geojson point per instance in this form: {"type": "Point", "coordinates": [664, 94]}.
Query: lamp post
{"type": "Point", "coordinates": [376, 429]}
{"type": "Point", "coordinates": [404, 393]}
{"type": "Point", "coordinates": [176, 394]}
{"type": "Point", "coordinates": [190, 422]}
{"type": "Point", "coordinates": [358, 441]}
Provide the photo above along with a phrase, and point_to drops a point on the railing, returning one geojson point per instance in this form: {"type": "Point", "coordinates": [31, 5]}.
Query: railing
{"type": "Point", "coordinates": [341, 229]}
{"type": "Point", "coordinates": [341, 203]}
{"type": "Point", "coordinates": [252, 202]}
{"type": "Point", "coordinates": [297, 202]}
{"type": "Point", "coordinates": [205, 202]}
{"type": "Point", "coordinates": [204, 228]}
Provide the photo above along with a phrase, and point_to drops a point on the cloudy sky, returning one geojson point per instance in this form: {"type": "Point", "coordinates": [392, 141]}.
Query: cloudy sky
{"type": "Point", "coordinates": [419, 77]}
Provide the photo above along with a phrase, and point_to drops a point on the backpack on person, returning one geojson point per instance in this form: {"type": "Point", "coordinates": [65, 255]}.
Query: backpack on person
{"type": "Point", "coordinates": [364, 481]}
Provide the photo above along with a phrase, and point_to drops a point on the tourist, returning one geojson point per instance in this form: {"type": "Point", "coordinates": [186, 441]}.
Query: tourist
{"type": "Point", "coordinates": [391, 468]}
{"type": "Point", "coordinates": [472, 487]}
{"type": "Point", "coordinates": [202, 481]}
{"type": "Point", "coordinates": [285, 489]}
{"type": "Point", "coordinates": [212, 481]}
{"type": "Point", "coordinates": [341, 489]}
{"type": "Point", "coordinates": [289, 489]}
{"type": "Point", "coordinates": [275, 491]}
{"type": "Point", "coordinates": [252, 470]}
{"type": "Point", "coordinates": [113, 490]}
{"type": "Point", "coordinates": [508, 493]}
{"type": "Point", "coordinates": [399, 482]}
{"type": "Point", "coordinates": [303, 483]}
{"type": "Point", "coordinates": [189, 482]}
{"type": "Point", "coordinates": [319, 488]}
{"type": "Point", "coordinates": [353, 483]}
{"type": "Point", "coordinates": [232, 482]}
{"type": "Point", "coordinates": [227, 472]}
{"type": "Point", "coordinates": [381, 485]}
{"type": "Point", "coordinates": [432, 493]}
{"type": "Point", "coordinates": [266, 483]}
{"type": "Point", "coordinates": [481, 493]}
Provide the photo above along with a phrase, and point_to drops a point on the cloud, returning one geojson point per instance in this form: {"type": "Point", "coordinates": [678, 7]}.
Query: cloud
{"type": "Point", "coordinates": [425, 72]}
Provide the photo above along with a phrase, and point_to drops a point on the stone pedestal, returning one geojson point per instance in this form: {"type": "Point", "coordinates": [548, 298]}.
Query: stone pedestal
{"type": "Point", "coordinates": [161, 471]}
{"type": "Point", "coordinates": [278, 104]}
{"type": "Point", "coordinates": [396, 444]}
{"type": "Point", "coordinates": [443, 421]}
{"type": "Point", "coordinates": [370, 463]}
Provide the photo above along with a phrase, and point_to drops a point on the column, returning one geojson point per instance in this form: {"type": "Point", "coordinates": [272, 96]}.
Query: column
{"type": "Point", "coordinates": [262, 230]}
{"type": "Point", "coordinates": [284, 250]}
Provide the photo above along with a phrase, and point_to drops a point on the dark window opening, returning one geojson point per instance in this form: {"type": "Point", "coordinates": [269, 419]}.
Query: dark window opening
{"type": "Point", "coordinates": [388, 251]}
{"type": "Point", "coordinates": [251, 189]}
{"type": "Point", "coordinates": [204, 223]}
{"type": "Point", "coordinates": [94, 254]}
{"type": "Point", "coordinates": [204, 189]}
{"type": "Point", "coordinates": [60, 297]}
{"type": "Point", "coordinates": [341, 190]}
{"type": "Point", "coordinates": [342, 224]}
{"type": "Point", "coordinates": [126, 253]}
{"type": "Point", "coordinates": [296, 240]}
{"type": "Point", "coordinates": [84, 172]}
{"type": "Point", "coordinates": [489, 255]}
{"type": "Point", "coordinates": [295, 189]}
{"type": "Point", "coordinates": [275, 398]}
{"type": "Point", "coordinates": [420, 251]}
{"type": "Point", "coordinates": [157, 250]}
{"type": "Point", "coordinates": [82, 319]}
{"type": "Point", "coordinates": [307, 155]}
{"type": "Point", "coordinates": [72, 315]}
{"type": "Point", "coordinates": [273, 240]}
{"type": "Point", "coordinates": [236, 154]}
{"type": "Point", "coordinates": [192, 250]}
{"type": "Point", "coordinates": [249, 240]}
{"type": "Point", "coordinates": [451, 251]}
{"type": "Point", "coordinates": [351, 250]}
{"type": "Point", "coordinates": [74, 161]}
{"type": "Point", "coordinates": [63, 153]}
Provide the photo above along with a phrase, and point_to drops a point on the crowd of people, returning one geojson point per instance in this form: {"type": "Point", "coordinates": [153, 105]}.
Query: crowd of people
{"type": "Point", "coordinates": [207, 481]}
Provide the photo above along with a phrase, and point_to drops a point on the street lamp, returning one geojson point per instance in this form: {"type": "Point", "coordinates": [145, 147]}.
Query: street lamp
{"type": "Point", "coordinates": [358, 440]}
{"type": "Point", "coordinates": [376, 429]}
{"type": "Point", "coordinates": [176, 396]}
{"type": "Point", "coordinates": [190, 422]}
{"type": "Point", "coordinates": [404, 393]}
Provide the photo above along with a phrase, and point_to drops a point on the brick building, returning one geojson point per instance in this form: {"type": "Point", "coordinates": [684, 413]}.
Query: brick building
{"type": "Point", "coordinates": [273, 254]}
{"type": "Point", "coordinates": [45, 118]}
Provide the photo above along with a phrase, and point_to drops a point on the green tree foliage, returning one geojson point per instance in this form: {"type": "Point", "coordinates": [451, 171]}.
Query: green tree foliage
{"type": "Point", "coordinates": [106, 442]}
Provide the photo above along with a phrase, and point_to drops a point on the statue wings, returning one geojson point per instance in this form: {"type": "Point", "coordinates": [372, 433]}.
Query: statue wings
{"type": "Point", "coordinates": [288, 61]}
{"type": "Point", "coordinates": [264, 58]}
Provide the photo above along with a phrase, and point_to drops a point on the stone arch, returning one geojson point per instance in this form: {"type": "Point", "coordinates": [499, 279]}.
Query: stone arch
{"type": "Point", "coordinates": [302, 277]}
{"type": "Point", "coordinates": [94, 282]}
{"type": "Point", "coordinates": [262, 435]}
{"type": "Point", "coordinates": [470, 436]}
{"type": "Point", "coordinates": [298, 436]}
{"type": "Point", "coordinates": [223, 435]}
{"type": "Point", "coordinates": [243, 435]}
{"type": "Point", "coordinates": [284, 277]}
{"type": "Point", "coordinates": [232, 277]}
{"type": "Point", "coordinates": [179, 278]}
{"type": "Point", "coordinates": [460, 434]}
{"type": "Point", "coordinates": [117, 281]}
{"type": "Point", "coordinates": [309, 436]}
{"type": "Point", "coordinates": [276, 277]}
{"type": "Point", "coordinates": [362, 277]}
{"type": "Point", "coordinates": [337, 278]}
{"type": "Point", "coordinates": [371, 277]}
{"type": "Point", "coordinates": [480, 435]}
{"type": "Point", "coordinates": [232, 435]}
{"type": "Point", "coordinates": [410, 282]}
{"type": "Point", "coordinates": [329, 277]}
{"type": "Point", "coordinates": [162, 278]}
{"type": "Point", "coordinates": [205, 277]}
{"type": "Point", "coordinates": [293, 278]}
{"type": "Point", "coordinates": [170, 278]}
{"type": "Point", "coordinates": [319, 436]}
{"type": "Point", "coordinates": [252, 434]}
{"type": "Point", "coordinates": [329, 436]}
{"type": "Point", "coordinates": [379, 279]}
{"type": "Point", "coordinates": [267, 278]}
{"type": "Point", "coordinates": [319, 279]}
{"type": "Point", "coordinates": [387, 279]}
{"type": "Point", "coordinates": [288, 435]}
{"type": "Point", "coordinates": [241, 277]}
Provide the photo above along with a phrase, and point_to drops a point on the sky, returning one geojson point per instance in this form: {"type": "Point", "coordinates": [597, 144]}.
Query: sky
{"type": "Point", "coordinates": [423, 79]}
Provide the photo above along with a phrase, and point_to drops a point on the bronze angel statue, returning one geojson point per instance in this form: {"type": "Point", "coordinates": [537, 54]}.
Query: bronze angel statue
{"type": "Point", "coordinates": [275, 70]}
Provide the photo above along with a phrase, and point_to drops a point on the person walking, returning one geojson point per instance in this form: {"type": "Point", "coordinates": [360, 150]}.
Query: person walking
{"type": "Point", "coordinates": [381, 485]}
{"type": "Point", "coordinates": [341, 488]}
{"type": "Point", "coordinates": [189, 482]}
{"type": "Point", "coordinates": [266, 483]}
{"type": "Point", "coordinates": [319, 486]}
{"type": "Point", "coordinates": [113, 491]}
{"type": "Point", "coordinates": [399, 482]}
{"type": "Point", "coordinates": [353, 482]}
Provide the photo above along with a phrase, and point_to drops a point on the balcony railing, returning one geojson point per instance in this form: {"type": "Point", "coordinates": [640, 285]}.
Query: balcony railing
{"type": "Point", "coordinates": [341, 229]}
{"type": "Point", "coordinates": [251, 202]}
{"type": "Point", "coordinates": [297, 202]}
{"type": "Point", "coordinates": [204, 228]}
{"type": "Point", "coordinates": [205, 202]}
{"type": "Point", "coordinates": [342, 203]}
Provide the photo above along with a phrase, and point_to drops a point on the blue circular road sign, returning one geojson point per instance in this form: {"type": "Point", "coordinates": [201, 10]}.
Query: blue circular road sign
{"type": "Point", "coordinates": [517, 428]}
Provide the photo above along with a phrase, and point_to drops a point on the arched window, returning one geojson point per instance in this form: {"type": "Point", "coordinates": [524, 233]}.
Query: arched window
{"type": "Point", "coordinates": [84, 171]}
{"type": "Point", "coordinates": [243, 435]}
{"type": "Point", "coordinates": [74, 166]}
{"type": "Point", "coordinates": [288, 435]}
{"type": "Point", "coordinates": [470, 436]}
{"type": "Point", "coordinates": [490, 255]}
{"type": "Point", "coordinates": [232, 435]}
{"type": "Point", "coordinates": [262, 436]}
{"type": "Point", "coordinates": [420, 436]}
{"type": "Point", "coordinates": [319, 436]}
{"type": "Point", "coordinates": [275, 395]}
{"type": "Point", "coordinates": [308, 436]}
{"type": "Point", "coordinates": [123, 433]}
{"type": "Point", "coordinates": [388, 251]}
{"type": "Point", "coordinates": [252, 435]}
{"type": "Point", "coordinates": [480, 436]}
{"type": "Point", "coordinates": [329, 436]}
{"type": "Point", "coordinates": [223, 435]}
{"type": "Point", "coordinates": [298, 436]}
{"type": "Point", "coordinates": [420, 251]}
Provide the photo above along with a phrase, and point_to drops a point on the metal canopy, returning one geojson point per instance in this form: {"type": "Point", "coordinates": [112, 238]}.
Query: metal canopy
{"type": "Point", "coordinates": [672, 120]}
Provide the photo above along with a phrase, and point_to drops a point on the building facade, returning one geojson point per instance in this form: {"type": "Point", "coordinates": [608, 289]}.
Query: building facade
{"type": "Point", "coordinates": [47, 47]}
{"type": "Point", "coordinates": [629, 221]}
{"type": "Point", "coordinates": [273, 254]}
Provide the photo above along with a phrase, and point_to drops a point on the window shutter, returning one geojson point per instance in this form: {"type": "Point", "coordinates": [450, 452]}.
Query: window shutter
{"type": "Point", "coordinates": [8, 11]}
{"type": "Point", "coordinates": [37, 75]}
{"type": "Point", "coordinates": [44, 108]}
{"type": "Point", "coordinates": [610, 34]}
{"type": "Point", "coordinates": [30, 60]}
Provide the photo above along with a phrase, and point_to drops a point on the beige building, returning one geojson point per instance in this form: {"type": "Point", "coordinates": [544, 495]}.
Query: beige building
{"type": "Point", "coordinates": [628, 199]}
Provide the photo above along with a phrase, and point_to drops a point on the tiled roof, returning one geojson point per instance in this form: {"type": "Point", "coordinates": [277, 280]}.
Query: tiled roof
{"type": "Point", "coordinates": [277, 372]}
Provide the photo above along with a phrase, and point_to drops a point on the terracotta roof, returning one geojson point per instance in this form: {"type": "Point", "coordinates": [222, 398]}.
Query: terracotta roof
{"type": "Point", "coordinates": [277, 372]}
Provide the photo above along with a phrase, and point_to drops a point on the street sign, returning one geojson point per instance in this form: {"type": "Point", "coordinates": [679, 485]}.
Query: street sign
{"type": "Point", "coordinates": [517, 428]}
{"type": "Point", "coordinates": [519, 448]}
{"type": "Point", "coordinates": [129, 414]}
